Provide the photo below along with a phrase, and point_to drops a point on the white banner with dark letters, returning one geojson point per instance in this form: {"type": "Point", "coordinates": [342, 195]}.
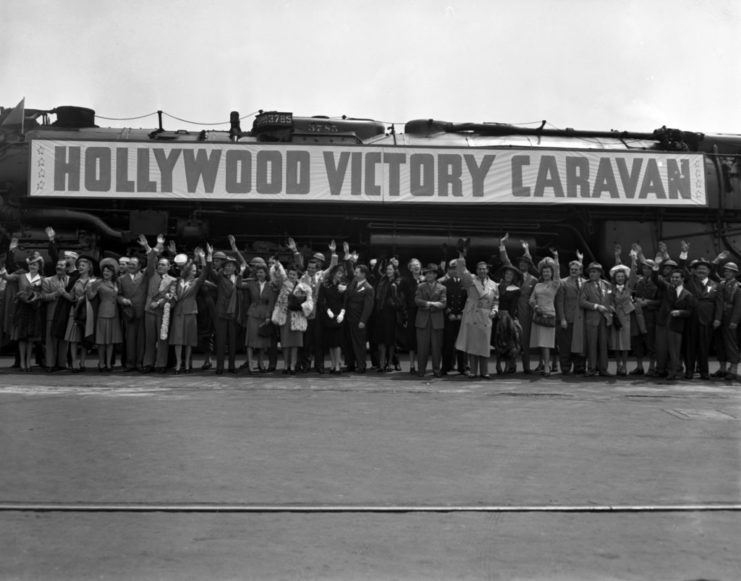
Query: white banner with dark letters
{"type": "Point", "coordinates": [272, 172]}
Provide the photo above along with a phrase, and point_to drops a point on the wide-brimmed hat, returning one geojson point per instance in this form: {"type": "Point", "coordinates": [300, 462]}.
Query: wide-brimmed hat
{"type": "Point", "coordinates": [112, 263]}
{"type": "Point", "coordinates": [517, 272]}
{"type": "Point", "coordinates": [595, 266]}
{"type": "Point", "coordinates": [34, 259]}
{"type": "Point", "coordinates": [700, 262]}
{"type": "Point", "coordinates": [619, 268]}
{"type": "Point", "coordinates": [431, 267]}
{"type": "Point", "coordinates": [731, 266]}
{"type": "Point", "coordinates": [219, 255]}
{"type": "Point", "coordinates": [180, 260]}
{"type": "Point", "coordinates": [319, 256]}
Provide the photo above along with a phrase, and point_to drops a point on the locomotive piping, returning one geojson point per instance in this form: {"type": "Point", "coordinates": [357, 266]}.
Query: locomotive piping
{"type": "Point", "coordinates": [52, 215]}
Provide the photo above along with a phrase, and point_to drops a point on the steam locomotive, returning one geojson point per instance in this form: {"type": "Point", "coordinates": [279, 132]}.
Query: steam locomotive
{"type": "Point", "coordinates": [386, 192]}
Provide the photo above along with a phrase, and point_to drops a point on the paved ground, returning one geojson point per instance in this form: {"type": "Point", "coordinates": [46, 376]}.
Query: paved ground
{"type": "Point", "coordinates": [361, 441]}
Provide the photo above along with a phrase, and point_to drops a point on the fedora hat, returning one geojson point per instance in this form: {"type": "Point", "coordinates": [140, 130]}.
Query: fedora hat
{"type": "Point", "coordinates": [669, 263]}
{"type": "Point", "coordinates": [431, 267]}
{"type": "Point", "coordinates": [595, 266]}
{"type": "Point", "coordinates": [700, 262]}
{"type": "Point", "coordinates": [319, 256]}
{"type": "Point", "coordinates": [219, 255]}
{"type": "Point", "coordinates": [731, 266]}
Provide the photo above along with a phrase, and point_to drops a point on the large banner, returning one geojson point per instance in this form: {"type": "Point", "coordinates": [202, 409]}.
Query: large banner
{"type": "Point", "coordinates": [271, 172]}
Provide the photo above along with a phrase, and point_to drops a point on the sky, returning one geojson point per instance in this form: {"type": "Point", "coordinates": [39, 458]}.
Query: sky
{"type": "Point", "coordinates": [588, 64]}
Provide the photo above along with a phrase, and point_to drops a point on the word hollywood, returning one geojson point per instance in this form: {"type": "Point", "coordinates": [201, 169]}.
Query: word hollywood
{"type": "Point", "coordinates": [372, 174]}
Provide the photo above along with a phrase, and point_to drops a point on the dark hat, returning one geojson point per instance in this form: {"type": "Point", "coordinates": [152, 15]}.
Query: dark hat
{"type": "Point", "coordinates": [230, 258]}
{"type": "Point", "coordinates": [517, 272]}
{"type": "Point", "coordinates": [319, 256]}
{"type": "Point", "coordinates": [731, 266]}
{"type": "Point", "coordinates": [219, 255]}
{"type": "Point", "coordinates": [700, 262]}
{"type": "Point", "coordinates": [431, 267]}
{"type": "Point", "coordinates": [525, 258]}
{"type": "Point", "coordinates": [453, 263]}
{"type": "Point", "coordinates": [670, 263]}
{"type": "Point", "coordinates": [595, 266]}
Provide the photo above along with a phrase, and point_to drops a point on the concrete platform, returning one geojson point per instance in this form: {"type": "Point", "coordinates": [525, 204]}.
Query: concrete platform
{"type": "Point", "coordinates": [357, 441]}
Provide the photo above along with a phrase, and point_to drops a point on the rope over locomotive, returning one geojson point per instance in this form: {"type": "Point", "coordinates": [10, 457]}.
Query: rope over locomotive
{"type": "Point", "coordinates": [407, 192]}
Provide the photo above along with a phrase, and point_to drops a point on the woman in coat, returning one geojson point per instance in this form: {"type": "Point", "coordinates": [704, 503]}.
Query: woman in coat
{"type": "Point", "coordinates": [292, 307]}
{"type": "Point", "coordinates": [107, 322]}
{"type": "Point", "coordinates": [387, 306]}
{"type": "Point", "coordinates": [262, 295]}
{"type": "Point", "coordinates": [81, 321]}
{"type": "Point", "coordinates": [482, 305]}
{"type": "Point", "coordinates": [28, 316]}
{"type": "Point", "coordinates": [543, 304]}
{"type": "Point", "coordinates": [623, 280]}
{"type": "Point", "coordinates": [331, 312]}
{"type": "Point", "coordinates": [184, 315]}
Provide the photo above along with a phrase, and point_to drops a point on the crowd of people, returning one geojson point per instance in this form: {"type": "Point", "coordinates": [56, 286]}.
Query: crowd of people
{"type": "Point", "coordinates": [152, 309]}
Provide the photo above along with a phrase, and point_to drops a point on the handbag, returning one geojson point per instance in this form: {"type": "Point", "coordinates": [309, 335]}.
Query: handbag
{"type": "Point", "coordinates": [265, 330]}
{"type": "Point", "coordinates": [544, 320]}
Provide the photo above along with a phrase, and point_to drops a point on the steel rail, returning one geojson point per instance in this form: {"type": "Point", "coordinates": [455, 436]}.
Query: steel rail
{"type": "Point", "coordinates": [331, 509]}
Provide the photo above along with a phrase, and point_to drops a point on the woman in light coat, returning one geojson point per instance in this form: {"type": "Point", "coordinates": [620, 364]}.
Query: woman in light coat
{"type": "Point", "coordinates": [294, 304]}
{"type": "Point", "coordinates": [482, 305]}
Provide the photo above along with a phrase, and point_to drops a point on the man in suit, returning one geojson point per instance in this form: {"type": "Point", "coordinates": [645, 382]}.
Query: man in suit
{"type": "Point", "coordinates": [700, 325]}
{"type": "Point", "coordinates": [596, 302]}
{"type": "Point", "coordinates": [676, 308]}
{"type": "Point", "coordinates": [132, 298]}
{"type": "Point", "coordinates": [456, 299]}
{"type": "Point", "coordinates": [568, 313]}
{"type": "Point", "coordinates": [225, 325]}
{"type": "Point", "coordinates": [431, 300]}
{"type": "Point", "coordinates": [160, 285]}
{"type": "Point", "coordinates": [52, 287]}
{"type": "Point", "coordinates": [359, 301]}
{"type": "Point", "coordinates": [726, 320]}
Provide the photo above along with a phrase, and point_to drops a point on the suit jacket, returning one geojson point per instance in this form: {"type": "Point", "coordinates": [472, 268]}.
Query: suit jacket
{"type": "Point", "coordinates": [359, 300]}
{"type": "Point", "coordinates": [567, 299]}
{"type": "Point", "coordinates": [456, 296]}
{"type": "Point", "coordinates": [436, 294]}
{"type": "Point", "coordinates": [261, 304]}
{"type": "Point", "coordinates": [134, 290]}
{"type": "Point", "coordinates": [593, 294]}
{"type": "Point", "coordinates": [705, 295]}
{"type": "Point", "coordinates": [49, 286]}
{"type": "Point", "coordinates": [684, 303]}
{"type": "Point", "coordinates": [226, 294]}
{"type": "Point", "coordinates": [186, 299]}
